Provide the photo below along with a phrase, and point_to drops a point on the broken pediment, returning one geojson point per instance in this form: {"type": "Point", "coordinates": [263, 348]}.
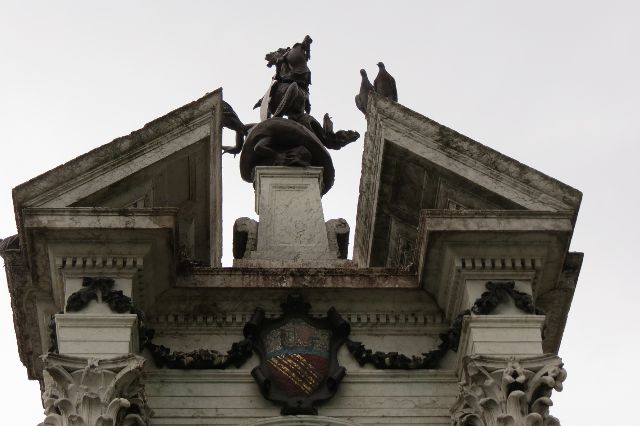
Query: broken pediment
{"type": "Point", "coordinates": [459, 213]}
{"type": "Point", "coordinates": [411, 163]}
{"type": "Point", "coordinates": [131, 208]}
{"type": "Point", "coordinates": [173, 161]}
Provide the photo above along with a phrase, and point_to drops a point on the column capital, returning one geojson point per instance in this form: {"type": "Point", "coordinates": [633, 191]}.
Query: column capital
{"type": "Point", "coordinates": [94, 392]}
{"type": "Point", "coordinates": [508, 391]}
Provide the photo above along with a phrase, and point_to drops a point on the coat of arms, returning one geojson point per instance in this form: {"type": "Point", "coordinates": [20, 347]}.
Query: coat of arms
{"type": "Point", "coordinates": [299, 366]}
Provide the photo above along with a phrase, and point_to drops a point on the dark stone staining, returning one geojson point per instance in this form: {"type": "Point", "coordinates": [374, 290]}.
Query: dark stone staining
{"type": "Point", "coordinates": [10, 243]}
{"type": "Point", "coordinates": [181, 181]}
{"type": "Point", "coordinates": [185, 262]}
{"type": "Point", "coordinates": [409, 183]}
{"type": "Point", "coordinates": [497, 292]}
{"type": "Point", "coordinates": [53, 334]}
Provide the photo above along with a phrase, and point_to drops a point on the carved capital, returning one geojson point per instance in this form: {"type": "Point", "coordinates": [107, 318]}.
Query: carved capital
{"type": "Point", "coordinates": [508, 391]}
{"type": "Point", "coordinates": [94, 392]}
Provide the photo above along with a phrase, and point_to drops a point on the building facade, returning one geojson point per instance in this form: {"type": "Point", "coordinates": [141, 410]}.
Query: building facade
{"type": "Point", "coordinates": [451, 311]}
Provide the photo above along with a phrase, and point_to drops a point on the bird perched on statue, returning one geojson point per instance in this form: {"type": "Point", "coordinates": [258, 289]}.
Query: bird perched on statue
{"type": "Point", "coordinates": [363, 96]}
{"type": "Point", "coordinates": [385, 84]}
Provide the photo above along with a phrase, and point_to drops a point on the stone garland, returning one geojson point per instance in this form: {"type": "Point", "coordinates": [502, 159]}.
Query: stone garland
{"type": "Point", "coordinates": [162, 356]}
{"type": "Point", "coordinates": [242, 350]}
{"type": "Point", "coordinates": [204, 359]}
{"type": "Point", "coordinates": [496, 293]}
{"type": "Point", "coordinates": [116, 300]}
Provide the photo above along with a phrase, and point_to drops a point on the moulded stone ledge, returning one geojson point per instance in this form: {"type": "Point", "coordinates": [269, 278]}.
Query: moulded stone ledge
{"type": "Point", "coordinates": [501, 335]}
{"type": "Point", "coordinates": [98, 336]}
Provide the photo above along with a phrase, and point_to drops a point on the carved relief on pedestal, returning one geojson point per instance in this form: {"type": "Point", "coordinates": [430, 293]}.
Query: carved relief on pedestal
{"type": "Point", "coordinates": [94, 392]}
{"type": "Point", "coordinates": [508, 392]}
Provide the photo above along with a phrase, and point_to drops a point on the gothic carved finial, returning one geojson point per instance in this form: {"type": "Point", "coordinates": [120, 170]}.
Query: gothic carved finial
{"type": "Point", "coordinates": [502, 391]}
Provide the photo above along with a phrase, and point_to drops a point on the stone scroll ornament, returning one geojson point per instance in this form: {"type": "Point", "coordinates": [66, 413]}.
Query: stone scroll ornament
{"type": "Point", "coordinates": [298, 355]}
{"type": "Point", "coordinates": [497, 292]}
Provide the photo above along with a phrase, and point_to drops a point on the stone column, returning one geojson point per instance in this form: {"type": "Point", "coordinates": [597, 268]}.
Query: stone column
{"type": "Point", "coordinates": [94, 392]}
{"type": "Point", "coordinates": [507, 391]}
{"type": "Point", "coordinates": [505, 377]}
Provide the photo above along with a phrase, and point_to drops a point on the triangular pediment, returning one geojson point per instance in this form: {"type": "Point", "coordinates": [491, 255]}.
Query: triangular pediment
{"type": "Point", "coordinates": [173, 161]}
{"type": "Point", "coordinates": [411, 163]}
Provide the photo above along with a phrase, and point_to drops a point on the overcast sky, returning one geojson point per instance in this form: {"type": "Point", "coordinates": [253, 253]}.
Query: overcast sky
{"type": "Point", "coordinates": [555, 85]}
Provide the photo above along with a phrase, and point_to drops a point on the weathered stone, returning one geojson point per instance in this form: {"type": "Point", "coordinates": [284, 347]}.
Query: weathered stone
{"type": "Point", "coordinates": [509, 391]}
{"type": "Point", "coordinates": [457, 248]}
{"type": "Point", "coordinates": [90, 392]}
{"type": "Point", "coordinates": [291, 230]}
{"type": "Point", "coordinates": [97, 336]}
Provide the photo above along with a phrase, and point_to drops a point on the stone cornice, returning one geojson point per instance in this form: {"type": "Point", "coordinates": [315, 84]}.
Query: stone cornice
{"type": "Point", "coordinates": [231, 321]}
{"type": "Point", "coordinates": [347, 277]}
{"type": "Point", "coordinates": [354, 376]}
{"type": "Point", "coordinates": [475, 155]}
{"type": "Point", "coordinates": [154, 132]}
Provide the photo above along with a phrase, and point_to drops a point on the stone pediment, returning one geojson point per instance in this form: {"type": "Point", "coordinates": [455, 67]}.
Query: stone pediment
{"type": "Point", "coordinates": [411, 163]}
{"type": "Point", "coordinates": [456, 212]}
{"type": "Point", "coordinates": [172, 161]}
{"type": "Point", "coordinates": [148, 198]}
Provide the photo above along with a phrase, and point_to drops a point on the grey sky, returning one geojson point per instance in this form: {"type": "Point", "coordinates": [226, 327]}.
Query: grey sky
{"type": "Point", "coordinates": [554, 85]}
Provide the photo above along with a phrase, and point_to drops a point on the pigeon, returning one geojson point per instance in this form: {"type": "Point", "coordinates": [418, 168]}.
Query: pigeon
{"type": "Point", "coordinates": [363, 97]}
{"type": "Point", "coordinates": [385, 84]}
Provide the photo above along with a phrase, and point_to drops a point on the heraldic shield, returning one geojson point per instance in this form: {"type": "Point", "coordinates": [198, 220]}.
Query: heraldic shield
{"type": "Point", "coordinates": [298, 355]}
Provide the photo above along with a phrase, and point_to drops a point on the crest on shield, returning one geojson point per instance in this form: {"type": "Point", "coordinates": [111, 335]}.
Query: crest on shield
{"type": "Point", "coordinates": [298, 355]}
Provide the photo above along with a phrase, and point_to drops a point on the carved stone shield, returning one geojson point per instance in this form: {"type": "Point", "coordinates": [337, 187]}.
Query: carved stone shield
{"type": "Point", "coordinates": [299, 366]}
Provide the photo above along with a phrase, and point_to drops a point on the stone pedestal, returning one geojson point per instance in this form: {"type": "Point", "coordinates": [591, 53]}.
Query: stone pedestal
{"type": "Point", "coordinates": [97, 336]}
{"type": "Point", "coordinates": [502, 335]}
{"type": "Point", "coordinates": [292, 231]}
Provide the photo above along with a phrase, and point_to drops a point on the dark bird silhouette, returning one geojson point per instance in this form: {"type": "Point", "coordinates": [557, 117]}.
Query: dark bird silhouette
{"type": "Point", "coordinates": [363, 97]}
{"type": "Point", "coordinates": [385, 84]}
